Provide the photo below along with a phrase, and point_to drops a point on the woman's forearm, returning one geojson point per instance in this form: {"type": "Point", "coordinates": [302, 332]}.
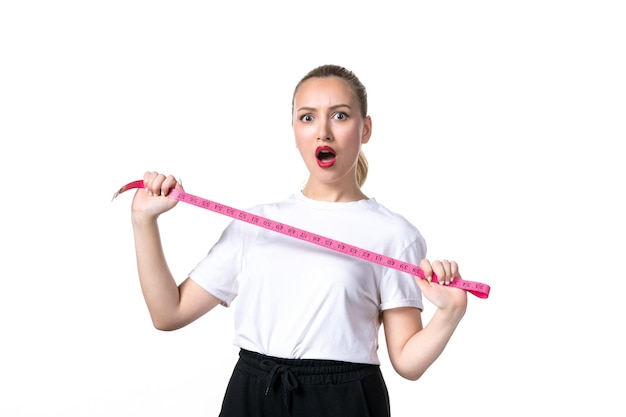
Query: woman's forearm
{"type": "Point", "coordinates": [158, 286]}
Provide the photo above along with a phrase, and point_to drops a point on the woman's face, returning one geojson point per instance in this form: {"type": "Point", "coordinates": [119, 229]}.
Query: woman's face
{"type": "Point", "coordinates": [329, 129]}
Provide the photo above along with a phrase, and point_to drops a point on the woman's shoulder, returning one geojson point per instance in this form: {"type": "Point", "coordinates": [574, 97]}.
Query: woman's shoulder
{"type": "Point", "coordinates": [391, 216]}
{"type": "Point", "coordinates": [272, 206]}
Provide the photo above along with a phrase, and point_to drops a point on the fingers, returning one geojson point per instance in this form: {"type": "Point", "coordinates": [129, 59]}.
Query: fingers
{"type": "Point", "coordinates": [157, 184]}
{"type": "Point", "coordinates": [445, 271]}
{"type": "Point", "coordinates": [428, 269]}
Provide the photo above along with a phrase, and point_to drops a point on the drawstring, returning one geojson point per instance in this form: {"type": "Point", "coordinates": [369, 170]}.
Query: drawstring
{"type": "Point", "coordinates": [289, 380]}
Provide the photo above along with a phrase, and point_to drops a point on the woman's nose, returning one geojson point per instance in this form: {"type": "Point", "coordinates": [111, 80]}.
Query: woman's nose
{"type": "Point", "coordinates": [324, 132]}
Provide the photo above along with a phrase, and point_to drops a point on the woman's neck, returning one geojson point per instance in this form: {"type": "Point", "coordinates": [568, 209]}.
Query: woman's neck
{"type": "Point", "coordinates": [333, 192]}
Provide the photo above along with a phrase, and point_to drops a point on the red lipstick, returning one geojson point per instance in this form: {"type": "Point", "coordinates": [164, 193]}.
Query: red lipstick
{"type": "Point", "coordinates": [325, 156]}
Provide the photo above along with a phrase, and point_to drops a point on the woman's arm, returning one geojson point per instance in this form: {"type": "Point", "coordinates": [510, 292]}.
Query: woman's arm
{"type": "Point", "coordinates": [171, 307]}
{"type": "Point", "coordinates": [413, 348]}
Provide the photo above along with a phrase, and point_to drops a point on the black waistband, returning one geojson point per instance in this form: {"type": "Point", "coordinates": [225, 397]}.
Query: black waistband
{"type": "Point", "coordinates": [289, 374]}
{"type": "Point", "coordinates": [304, 367]}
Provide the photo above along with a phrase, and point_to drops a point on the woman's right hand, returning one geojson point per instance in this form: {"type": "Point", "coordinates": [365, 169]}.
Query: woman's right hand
{"type": "Point", "coordinates": [151, 201]}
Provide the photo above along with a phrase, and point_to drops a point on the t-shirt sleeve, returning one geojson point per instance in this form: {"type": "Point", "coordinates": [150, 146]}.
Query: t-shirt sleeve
{"type": "Point", "coordinates": [399, 289]}
{"type": "Point", "coordinates": [217, 272]}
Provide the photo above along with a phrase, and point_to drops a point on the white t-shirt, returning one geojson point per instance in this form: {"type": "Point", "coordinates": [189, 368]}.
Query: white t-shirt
{"type": "Point", "coordinates": [299, 300]}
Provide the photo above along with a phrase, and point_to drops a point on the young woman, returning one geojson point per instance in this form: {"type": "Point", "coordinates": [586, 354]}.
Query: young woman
{"type": "Point", "coordinates": [307, 319]}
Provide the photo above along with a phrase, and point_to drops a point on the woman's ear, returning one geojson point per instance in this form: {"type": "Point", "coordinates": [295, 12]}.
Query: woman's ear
{"type": "Point", "coordinates": [367, 130]}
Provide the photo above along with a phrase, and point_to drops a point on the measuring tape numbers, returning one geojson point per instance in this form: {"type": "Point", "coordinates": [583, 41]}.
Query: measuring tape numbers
{"type": "Point", "coordinates": [478, 289]}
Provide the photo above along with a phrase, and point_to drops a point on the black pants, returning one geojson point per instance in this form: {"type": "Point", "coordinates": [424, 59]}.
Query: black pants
{"type": "Point", "coordinates": [265, 386]}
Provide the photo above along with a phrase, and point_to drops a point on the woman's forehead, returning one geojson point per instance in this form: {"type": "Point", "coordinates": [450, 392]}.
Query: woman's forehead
{"type": "Point", "coordinates": [326, 90]}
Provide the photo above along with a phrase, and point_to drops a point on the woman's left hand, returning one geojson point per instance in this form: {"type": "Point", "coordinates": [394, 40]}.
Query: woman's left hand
{"type": "Point", "coordinates": [440, 294]}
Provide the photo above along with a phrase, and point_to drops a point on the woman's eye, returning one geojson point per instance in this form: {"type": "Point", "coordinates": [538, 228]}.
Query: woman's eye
{"type": "Point", "coordinates": [340, 115]}
{"type": "Point", "coordinates": [306, 118]}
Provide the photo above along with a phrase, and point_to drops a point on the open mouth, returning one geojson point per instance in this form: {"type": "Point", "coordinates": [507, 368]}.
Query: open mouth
{"type": "Point", "coordinates": [325, 156]}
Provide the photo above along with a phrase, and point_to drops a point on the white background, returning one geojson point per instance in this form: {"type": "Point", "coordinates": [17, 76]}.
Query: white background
{"type": "Point", "coordinates": [498, 131]}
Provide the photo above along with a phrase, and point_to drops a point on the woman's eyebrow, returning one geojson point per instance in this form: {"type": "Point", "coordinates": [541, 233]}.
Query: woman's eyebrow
{"type": "Point", "coordinates": [335, 107]}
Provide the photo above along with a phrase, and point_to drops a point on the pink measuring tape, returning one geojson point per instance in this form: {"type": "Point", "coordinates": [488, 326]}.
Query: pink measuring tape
{"type": "Point", "coordinates": [476, 288]}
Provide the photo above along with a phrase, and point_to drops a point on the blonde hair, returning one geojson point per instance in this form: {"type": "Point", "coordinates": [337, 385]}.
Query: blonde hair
{"type": "Point", "coordinates": [361, 169]}
{"type": "Point", "coordinates": [359, 90]}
